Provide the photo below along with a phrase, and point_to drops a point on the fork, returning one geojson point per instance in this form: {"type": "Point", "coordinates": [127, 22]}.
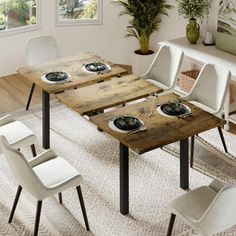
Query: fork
{"type": "Point", "coordinates": [185, 115]}
{"type": "Point", "coordinates": [140, 129]}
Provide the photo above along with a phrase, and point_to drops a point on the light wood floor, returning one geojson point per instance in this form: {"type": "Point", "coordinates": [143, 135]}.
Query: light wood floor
{"type": "Point", "coordinates": [14, 91]}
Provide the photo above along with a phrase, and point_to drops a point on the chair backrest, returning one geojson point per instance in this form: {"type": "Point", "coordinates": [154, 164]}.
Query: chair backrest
{"type": "Point", "coordinates": [41, 49]}
{"type": "Point", "coordinates": [165, 67]}
{"type": "Point", "coordinates": [221, 213]}
{"type": "Point", "coordinates": [211, 87]}
{"type": "Point", "coordinates": [23, 172]}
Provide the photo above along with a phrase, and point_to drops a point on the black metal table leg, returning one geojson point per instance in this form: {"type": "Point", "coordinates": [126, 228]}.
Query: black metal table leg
{"type": "Point", "coordinates": [124, 179]}
{"type": "Point", "coordinates": [46, 119]}
{"type": "Point", "coordinates": [184, 169]}
{"type": "Point", "coordinates": [30, 96]}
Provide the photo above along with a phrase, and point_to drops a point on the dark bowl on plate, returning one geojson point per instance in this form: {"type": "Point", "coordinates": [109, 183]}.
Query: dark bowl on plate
{"type": "Point", "coordinates": [173, 108]}
{"type": "Point", "coordinates": [56, 76]}
{"type": "Point", "coordinates": [96, 67]}
{"type": "Point", "coordinates": [127, 123]}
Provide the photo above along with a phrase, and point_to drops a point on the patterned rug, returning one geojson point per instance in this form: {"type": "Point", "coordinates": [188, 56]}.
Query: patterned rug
{"type": "Point", "coordinates": [154, 182]}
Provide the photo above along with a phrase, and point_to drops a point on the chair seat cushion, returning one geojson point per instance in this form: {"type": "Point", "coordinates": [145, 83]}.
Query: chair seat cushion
{"type": "Point", "coordinates": [55, 171]}
{"type": "Point", "coordinates": [17, 134]}
{"type": "Point", "coordinates": [193, 204]}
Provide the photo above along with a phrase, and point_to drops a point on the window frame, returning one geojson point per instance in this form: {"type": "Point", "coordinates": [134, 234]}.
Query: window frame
{"type": "Point", "coordinates": [76, 22]}
{"type": "Point", "coordinates": [26, 28]}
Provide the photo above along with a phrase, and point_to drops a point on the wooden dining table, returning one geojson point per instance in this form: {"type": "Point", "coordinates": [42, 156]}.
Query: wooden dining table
{"type": "Point", "coordinates": [117, 91]}
{"type": "Point", "coordinates": [74, 66]}
{"type": "Point", "coordinates": [160, 131]}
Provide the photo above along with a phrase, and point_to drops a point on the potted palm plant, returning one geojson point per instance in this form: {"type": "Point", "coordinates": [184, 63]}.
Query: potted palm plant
{"type": "Point", "coordinates": [193, 10]}
{"type": "Point", "coordinates": [145, 19]}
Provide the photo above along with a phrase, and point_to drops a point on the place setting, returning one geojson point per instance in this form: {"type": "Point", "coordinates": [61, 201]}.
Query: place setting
{"type": "Point", "coordinates": [96, 67]}
{"type": "Point", "coordinates": [127, 124]}
{"type": "Point", "coordinates": [174, 109]}
{"type": "Point", "coordinates": [56, 77]}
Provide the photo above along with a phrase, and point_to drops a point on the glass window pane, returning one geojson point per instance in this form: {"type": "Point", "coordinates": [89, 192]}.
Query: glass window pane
{"type": "Point", "coordinates": [79, 12]}
{"type": "Point", "coordinates": [17, 14]}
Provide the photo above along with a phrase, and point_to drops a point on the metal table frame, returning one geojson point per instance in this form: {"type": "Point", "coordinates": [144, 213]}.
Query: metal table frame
{"type": "Point", "coordinates": [124, 173]}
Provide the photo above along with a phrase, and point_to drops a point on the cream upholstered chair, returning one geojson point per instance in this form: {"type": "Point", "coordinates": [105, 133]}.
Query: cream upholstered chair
{"type": "Point", "coordinates": [208, 209]}
{"type": "Point", "coordinates": [39, 50]}
{"type": "Point", "coordinates": [45, 175]}
{"type": "Point", "coordinates": [17, 134]}
{"type": "Point", "coordinates": [165, 67]}
{"type": "Point", "coordinates": [209, 93]}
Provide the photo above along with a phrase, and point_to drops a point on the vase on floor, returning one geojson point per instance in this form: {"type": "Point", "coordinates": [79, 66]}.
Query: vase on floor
{"type": "Point", "coordinates": [192, 31]}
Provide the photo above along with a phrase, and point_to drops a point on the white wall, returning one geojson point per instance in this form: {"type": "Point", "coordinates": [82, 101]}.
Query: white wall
{"type": "Point", "coordinates": [212, 21]}
{"type": "Point", "coordinates": [107, 39]}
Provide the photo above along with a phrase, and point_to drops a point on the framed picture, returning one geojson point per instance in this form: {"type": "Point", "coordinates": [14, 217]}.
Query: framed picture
{"type": "Point", "coordinates": [78, 12]}
{"type": "Point", "coordinates": [226, 30]}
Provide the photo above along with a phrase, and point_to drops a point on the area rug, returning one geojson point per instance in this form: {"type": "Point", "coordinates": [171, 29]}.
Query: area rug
{"type": "Point", "coordinates": [154, 181]}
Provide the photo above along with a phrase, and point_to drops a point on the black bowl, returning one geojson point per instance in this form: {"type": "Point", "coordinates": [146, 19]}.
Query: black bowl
{"type": "Point", "coordinates": [56, 76]}
{"type": "Point", "coordinates": [127, 123]}
{"type": "Point", "coordinates": [173, 108]}
{"type": "Point", "coordinates": [96, 67]}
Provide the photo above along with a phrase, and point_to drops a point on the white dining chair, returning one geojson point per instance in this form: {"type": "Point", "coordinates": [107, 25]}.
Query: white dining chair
{"type": "Point", "coordinates": [17, 134]}
{"type": "Point", "coordinates": [165, 68]}
{"type": "Point", "coordinates": [40, 49]}
{"type": "Point", "coordinates": [208, 209]}
{"type": "Point", "coordinates": [209, 93]}
{"type": "Point", "coordinates": [43, 176]}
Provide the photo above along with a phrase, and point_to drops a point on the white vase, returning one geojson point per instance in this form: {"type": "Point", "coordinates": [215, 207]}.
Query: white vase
{"type": "Point", "coordinates": [141, 63]}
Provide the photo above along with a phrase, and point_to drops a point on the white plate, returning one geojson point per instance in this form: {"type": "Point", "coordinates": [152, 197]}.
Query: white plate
{"type": "Point", "coordinates": [188, 109]}
{"type": "Point", "coordinates": [44, 79]}
{"type": "Point", "coordinates": [97, 72]}
{"type": "Point", "coordinates": [113, 127]}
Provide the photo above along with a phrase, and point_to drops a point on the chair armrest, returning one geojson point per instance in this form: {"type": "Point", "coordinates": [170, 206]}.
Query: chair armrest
{"type": "Point", "coordinates": [43, 157]}
{"type": "Point", "coordinates": [6, 119]}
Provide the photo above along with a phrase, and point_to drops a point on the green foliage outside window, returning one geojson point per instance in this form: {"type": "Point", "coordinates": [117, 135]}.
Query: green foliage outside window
{"type": "Point", "coordinates": [77, 9]}
{"type": "Point", "coordinates": [15, 13]}
{"type": "Point", "coordinates": [90, 10]}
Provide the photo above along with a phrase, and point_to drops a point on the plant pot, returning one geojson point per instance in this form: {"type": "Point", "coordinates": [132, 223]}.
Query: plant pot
{"type": "Point", "coordinates": [193, 31]}
{"type": "Point", "coordinates": [142, 62]}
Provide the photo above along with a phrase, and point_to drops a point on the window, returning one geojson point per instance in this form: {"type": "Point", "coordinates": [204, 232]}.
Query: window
{"type": "Point", "coordinates": [18, 15]}
{"type": "Point", "coordinates": [79, 12]}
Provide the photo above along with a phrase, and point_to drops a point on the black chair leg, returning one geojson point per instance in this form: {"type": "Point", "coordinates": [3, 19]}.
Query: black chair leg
{"type": "Point", "coordinates": [78, 188]}
{"type": "Point", "coordinates": [37, 218]}
{"type": "Point", "coordinates": [171, 224]}
{"type": "Point", "coordinates": [30, 96]}
{"type": "Point", "coordinates": [192, 151]}
{"type": "Point", "coordinates": [222, 139]}
{"type": "Point", "coordinates": [33, 150]}
{"type": "Point", "coordinates": [60, 198]}
{"type": "Point", "coordinates": [15, 204]}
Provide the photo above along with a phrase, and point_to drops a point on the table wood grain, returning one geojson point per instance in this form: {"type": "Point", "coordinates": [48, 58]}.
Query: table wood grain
{"type": "Point", "coordinates": [161, 130]}
{"type": "Point", "coordinates": [72, 65]}
{"type": "Point", "coordinates": [107, 94]}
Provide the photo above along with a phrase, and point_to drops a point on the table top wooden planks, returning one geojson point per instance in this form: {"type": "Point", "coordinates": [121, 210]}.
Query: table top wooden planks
{"type": "Point", "coordinates": [107, 94]}
{"type": "Point", "coordinates": [161, 130]}
{"type": "Point", "coordinates": [72, 65]}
